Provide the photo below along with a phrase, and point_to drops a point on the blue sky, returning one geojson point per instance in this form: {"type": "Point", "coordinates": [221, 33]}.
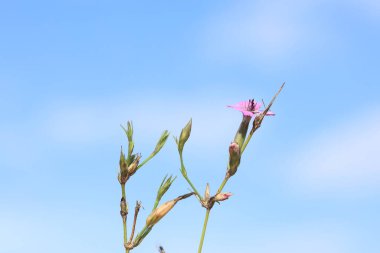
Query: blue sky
{"type": "Point", "coordinates": [72, 71]}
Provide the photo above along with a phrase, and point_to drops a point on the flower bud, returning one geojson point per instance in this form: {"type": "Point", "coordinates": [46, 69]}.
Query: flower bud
{"type": "Point", "coordinates": [242, 131]}
{"type": "Point", "coordinates": [234, 161]}
{"type": "Point", "coordinates": [185, 133]}
{"type": "Point", "coordinates": [122, 161]}
{"type": "Point", "coordinates": [129, 132]}
{"type": "Point", "coordinates": [164, 187]}
{"type": "Point", "coordinates": [134, 165]}
{"type": "Point", "coordinates": [161, 142]}
{"type": "Point", "coordinates": [123, 174]}
{"type": "Point", "coordinates": [160, 212]}
{"type": "Point", "coordinates": [222, 196]}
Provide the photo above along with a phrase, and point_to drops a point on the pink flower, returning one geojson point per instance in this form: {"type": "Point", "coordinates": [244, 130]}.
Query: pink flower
{"type": "Point", "coordinates": [249, 108]}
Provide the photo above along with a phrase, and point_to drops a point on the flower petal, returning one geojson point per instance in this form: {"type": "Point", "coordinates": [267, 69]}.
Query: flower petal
{"type": "Point", "coordinates": [257, 106]}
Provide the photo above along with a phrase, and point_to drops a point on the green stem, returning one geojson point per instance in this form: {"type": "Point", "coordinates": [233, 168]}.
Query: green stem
{"type": "Point", "coordinates": [124, 219]}
{"type": "Point", "coordinates": [146, 160]}
{"type": "Point", "coordinates": [246, 142]}
{"type": "Point", "coordinates": [222, 185]}
{"type": "Point", "coordinates": [204, 231]}
{"type": "Point", "coordinates": [155, 204]}
{"type": "Point", "coordinates": [192, 187]}
{"type": "Point", "coordinates": [125, 235]}
{"type": "Point", "coordinates": [183, 170]}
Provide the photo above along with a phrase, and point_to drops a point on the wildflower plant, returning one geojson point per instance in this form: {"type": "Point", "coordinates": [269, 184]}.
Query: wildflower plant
{"type": "Point", "coordinates": [250, 109]}
{"type": "Point", "coordinates": [130, 164]}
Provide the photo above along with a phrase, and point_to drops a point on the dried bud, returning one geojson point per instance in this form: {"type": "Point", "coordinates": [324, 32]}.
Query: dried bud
{"type": "Point", "coordinates": [207, 192]}
{"type": "Point", "coordinates": [257, 121]}
{"type": "Point", "coordinates": [222, 196]}
{"type": "Point", "coordinates": [185, 133]}
{"type": "Point", "coordinates": [123, 174]}
{"type": "Point", "coordinates": [133, 167]}
{"type": "Point", "coordinates": [234, 161]}
{"type": "Point", "coordinates": [160, 212]}
{"type": "Point", "coordinates": [123, 207]}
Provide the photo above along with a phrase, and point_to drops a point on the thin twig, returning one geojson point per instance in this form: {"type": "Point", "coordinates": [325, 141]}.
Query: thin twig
{"type": "Point", "coordinates": [273, 99]}
{"type": "Point", "coordinates": [137, 209]}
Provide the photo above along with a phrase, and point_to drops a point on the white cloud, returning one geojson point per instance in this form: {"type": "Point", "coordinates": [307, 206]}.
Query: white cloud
{"type": "Point", "coordinates": [270, 31]}
{"type": "Point", "coordinates": [263, 30]}
{"type": "Point", "coordinates": [344, 158]}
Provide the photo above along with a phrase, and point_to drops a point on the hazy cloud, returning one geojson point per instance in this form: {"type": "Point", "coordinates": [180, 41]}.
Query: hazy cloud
{"type": "Point", "coordinates": [344, 157]}
{"type": "Point", "coordinates": [265, 30]}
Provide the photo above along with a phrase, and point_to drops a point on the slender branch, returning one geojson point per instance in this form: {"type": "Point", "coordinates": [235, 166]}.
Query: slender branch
{"type": "Point", "coordinates": [137, 209]}
{"type": "Point", "coordinates": [161, 142]}
{"type": "Point", "coordinates": [248, 139]}
{"type": "Point", "coordinates": [273, 99]}
{"type": "Point", "coordinates": [225, 180]}
{"type": "Point", "coordinates": [187, 178]}
{"type": "Point", "coordinates": [204, 231]}
{"type": "Point", "coordinates": [145, 161]}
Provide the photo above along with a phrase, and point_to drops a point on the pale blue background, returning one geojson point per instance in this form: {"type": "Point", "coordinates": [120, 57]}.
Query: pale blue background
{"type": "Point", "coordinates": [72, 71]}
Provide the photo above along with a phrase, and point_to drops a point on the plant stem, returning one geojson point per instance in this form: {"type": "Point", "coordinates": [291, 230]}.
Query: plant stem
{"type": "Point", "coordinates": [146, 160]}
{"type": "Point", "coordinates": [123, 195]}
{"type": "Point", "coordinates": [184, 174]}
{"type": "Point", "coordinates": [203, 231]}
{"type": "Point", "coordinates": [247, 140]}
{"type": "Point", "coordinates": [222, 184]}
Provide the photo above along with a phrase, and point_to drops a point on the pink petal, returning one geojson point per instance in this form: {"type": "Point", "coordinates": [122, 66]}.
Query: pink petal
{"type": "Point", "coordinates": [241, 105]}
{"type": "Point", "coordinates": [247, 113]}
{"type": "Point", "coordinates": [257, 106]}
